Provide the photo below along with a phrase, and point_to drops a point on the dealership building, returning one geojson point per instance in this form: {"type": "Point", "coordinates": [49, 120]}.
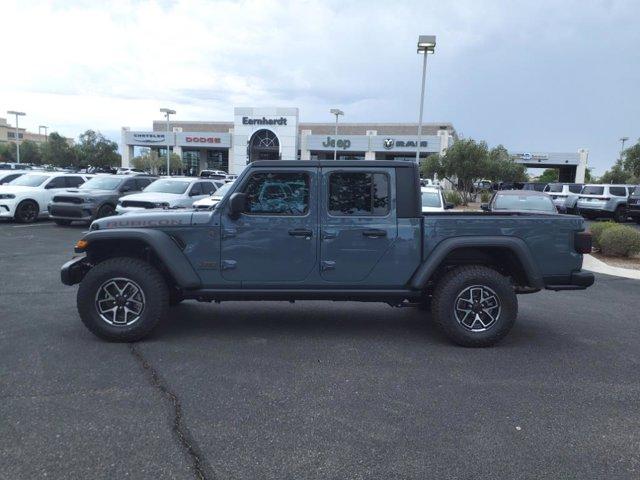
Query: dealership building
{"type": "Point", "coordinates": [277, 133]}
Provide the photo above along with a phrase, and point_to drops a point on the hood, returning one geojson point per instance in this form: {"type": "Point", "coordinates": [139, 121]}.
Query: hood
{"type": "Point", "coordinates": [145, 219]}
{"type": "Point", "coordinates": [93, 192]}
{"type": "Point", "coordinates": [152, 197]}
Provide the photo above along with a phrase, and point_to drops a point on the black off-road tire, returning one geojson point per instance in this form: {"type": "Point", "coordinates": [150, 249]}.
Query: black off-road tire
{"type": "Point", "coordinates": [62, 222]}
{"type": "Point", "coordinates": [152, 284]}
{"type": "Point", "coordinates": [105, 211]}
{"type": "Point", "coordinates": [620, 215]}
{"type": "Point", "coordinates": [454, 283]}
{"type": "Point", "coordinates": [27, 211]}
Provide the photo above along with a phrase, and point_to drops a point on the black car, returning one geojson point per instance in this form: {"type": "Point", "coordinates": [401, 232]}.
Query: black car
{"type": "Point", "coordinates": [96, 198]}
{"type": "Point", "coordinates": [633, 204]}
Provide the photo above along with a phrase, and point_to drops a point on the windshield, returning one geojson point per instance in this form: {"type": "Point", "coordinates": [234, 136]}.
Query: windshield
{"type": "Point", "coordinates": [592, 190]}
{"type": "Point", "coordinates": [554, 188]}
{"type": "Point", "coordinates": [29, 180]}
{"type": "Point", "coordinates": [102, 183]}
{"type": "Point", "coordinates": [168, 186]}
{"type": "Point", "coordinates": [222, 190]}
{"type": "Point", "coordinates": [431, 199]}
{"type": "Point", "coordinates": [521, 202]}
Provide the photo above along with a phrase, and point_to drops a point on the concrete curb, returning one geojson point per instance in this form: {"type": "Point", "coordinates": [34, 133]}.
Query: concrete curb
{"type": "Point", "coordinates": [593, 264]}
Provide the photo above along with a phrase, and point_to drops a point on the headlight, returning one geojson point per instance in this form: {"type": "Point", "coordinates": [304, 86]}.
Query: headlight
{"type": "Point", "coordinates": [7, 195]}
{"type": "Point", "coordinates": [89, 200]}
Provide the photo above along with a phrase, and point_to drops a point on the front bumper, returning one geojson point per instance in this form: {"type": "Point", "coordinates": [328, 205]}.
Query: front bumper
{"type": "Point", "coordinates": [71, 212]}
{"type": "Point", "coordinates": [7, 209]}
{"type": "Point", "coordinates": [74, 270]}
{"type": "Point", "coordinates": [578, 280]}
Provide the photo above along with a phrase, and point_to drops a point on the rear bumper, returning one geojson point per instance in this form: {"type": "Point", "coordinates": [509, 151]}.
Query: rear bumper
{"type": "Point", "coordinates": [74, 271]}
{"type": "Point", "coordinates": [578, 280]}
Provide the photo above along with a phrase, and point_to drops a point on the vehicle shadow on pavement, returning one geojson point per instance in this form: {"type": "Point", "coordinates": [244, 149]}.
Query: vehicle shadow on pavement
{"type": "Point", "coordinates": [304, 319]}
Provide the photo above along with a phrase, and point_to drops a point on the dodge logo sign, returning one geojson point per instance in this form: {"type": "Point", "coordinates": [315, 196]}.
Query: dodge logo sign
{"type": "Point", "coordinates": [388, 143]}
{"type": "Point", "coordinates": [203, 139]}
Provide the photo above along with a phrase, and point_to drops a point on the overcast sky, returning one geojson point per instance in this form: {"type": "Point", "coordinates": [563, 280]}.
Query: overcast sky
{"type": "Point", "coordinates": [534, 76]}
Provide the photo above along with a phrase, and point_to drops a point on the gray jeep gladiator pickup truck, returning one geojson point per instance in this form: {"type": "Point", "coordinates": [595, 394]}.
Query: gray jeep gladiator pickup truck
{"type": "Point", "coordinates": [325, 230]}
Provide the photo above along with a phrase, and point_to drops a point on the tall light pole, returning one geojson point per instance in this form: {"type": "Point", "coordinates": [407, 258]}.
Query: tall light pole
{"type": "Point", "coordinates": [622, 141]}
{"type": "Point", "coordinates": [17, 114]}
{"type": "Point", "coordinates": [426, 45]}
{"type": "Point", "coordinates": [43, 127]}
{"type": "Point", "coordinates": [337, 112]}
{"type": "Point", "coordinates": [167, 112]}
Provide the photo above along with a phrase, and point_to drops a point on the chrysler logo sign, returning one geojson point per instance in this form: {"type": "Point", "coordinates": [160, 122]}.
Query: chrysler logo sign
{"type": "Point", "coordinates": [149, 137]}
{"type": "Point", "coordinates": [388, 143]}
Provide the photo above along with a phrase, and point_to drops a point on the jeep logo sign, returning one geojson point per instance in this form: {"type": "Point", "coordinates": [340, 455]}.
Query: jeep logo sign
{"type": "Point", "coordinates": [340, 143]}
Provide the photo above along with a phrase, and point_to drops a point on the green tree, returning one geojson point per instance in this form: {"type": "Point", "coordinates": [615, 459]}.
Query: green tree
{"type": "Point", "coordinates": [632, 160]}
{"type": "Point", "coordinates": [617, 174]}
{"type": "Point", "coordinates": [7, 152]}
{"type": "Point", "coordinates": [502, 167]}
{"type": "Point", "coordinates": [468, 161]}
{"type": "Point", "coordinates": [549, 175]}
{"type": "Point", "coordinates": [30, 152]}
{"type": "Point", "coordinates": [430, 166]}
{"type": "Point", "coordinates": [96, 150]}
{"type": "Point", "coordinates": [588, 176]}
{"type": "Point", "coordinates": [56, 151]}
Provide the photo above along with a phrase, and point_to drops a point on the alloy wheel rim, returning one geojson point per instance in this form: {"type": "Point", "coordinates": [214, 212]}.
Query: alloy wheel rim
{"type": "Point", "coordinates": [28, 212]}
{"type": "Point", "coordinates": [477, 308]}
{"type": "Point", "coordinates": [120, 302]}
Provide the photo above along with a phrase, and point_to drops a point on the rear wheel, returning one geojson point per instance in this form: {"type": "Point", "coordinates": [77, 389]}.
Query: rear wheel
{"type": "Point", "coordinates": [26, 212]}
{"type": "Point", "coordinates": [620, 215]}
{"type": "Point", "coordinates": [475, 306]}
{"type": "Point", "coordinates": [122, 299]}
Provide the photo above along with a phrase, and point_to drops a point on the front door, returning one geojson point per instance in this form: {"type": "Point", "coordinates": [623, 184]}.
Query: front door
{"type": "Point", "coordinates": [275, 240]}
{"type": "Point", "coordinates": [358, 221]}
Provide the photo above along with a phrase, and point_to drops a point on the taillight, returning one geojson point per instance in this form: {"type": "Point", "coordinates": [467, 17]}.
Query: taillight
{"type": "Point", "coordinates": [582, 242]}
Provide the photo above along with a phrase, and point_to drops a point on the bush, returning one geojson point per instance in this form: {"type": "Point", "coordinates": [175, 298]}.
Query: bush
{"type": "Point", "coordinates": [485, 197]}
{"type": "Point", "coordinates": [620, 241]}
{"type": "Point", "coordinates": [452, 196]}
{"type": "Point", "coordinates": [597, 229]}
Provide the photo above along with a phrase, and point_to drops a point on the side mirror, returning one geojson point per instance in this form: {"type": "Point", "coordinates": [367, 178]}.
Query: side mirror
{"type": "Point", "coordinates": [237, 204]}
{"type": "Point", "coordinates": [485, 207]}
{"type": "Point", "coordinates": [448, 206]}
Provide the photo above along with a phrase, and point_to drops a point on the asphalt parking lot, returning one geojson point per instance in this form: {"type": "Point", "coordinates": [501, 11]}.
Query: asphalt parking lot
{"type": "Point", "coordinates": [312, 389]}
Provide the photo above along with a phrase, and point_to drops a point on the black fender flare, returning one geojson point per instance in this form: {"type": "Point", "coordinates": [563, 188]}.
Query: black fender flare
{"type": "Point", "coordinates": [516, 245]}
{"type": "Point", "coordinates": [162, 245]}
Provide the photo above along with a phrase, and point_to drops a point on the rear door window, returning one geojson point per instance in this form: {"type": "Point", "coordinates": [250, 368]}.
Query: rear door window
{"type": "Point", "coordinates": [358, 194]}
{"type": "Point", "coordinates": [196, 189]}
{"type": "Point", "coordinates": [73, 182]}
{"type": "Point", "coordinates": [208, 188]}
{"type": "Point", "coordinates": [618, 191]}
{"type": "Point", "coordinates": [142, 182]}
{"type": "Point", "coordinates": [575, 188]}
{"type": "Point", "coordinates": [592, 190]}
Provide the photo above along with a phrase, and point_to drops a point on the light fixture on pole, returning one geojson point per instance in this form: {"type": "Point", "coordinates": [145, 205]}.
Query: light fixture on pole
{"type": "Point", "coordinates": [622, 141]}
{"type": "Point", "coordinates": [337, 112]}
{"type": "Point", "coordinates": [426, 45]}
{"type": "Point", "coordinates": [17, 114]}
{"type": "Point", "coordinates": [167, 112]}
{"type": "Point", "coordinates": [43, 127]}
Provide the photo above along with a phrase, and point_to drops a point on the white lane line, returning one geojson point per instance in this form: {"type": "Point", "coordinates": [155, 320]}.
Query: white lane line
{"type": "Point", "coordinates": [32, 225]}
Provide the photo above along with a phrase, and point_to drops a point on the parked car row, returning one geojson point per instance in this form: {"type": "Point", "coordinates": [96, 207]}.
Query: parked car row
{"type": "Point", "coordinates": [26, 196]}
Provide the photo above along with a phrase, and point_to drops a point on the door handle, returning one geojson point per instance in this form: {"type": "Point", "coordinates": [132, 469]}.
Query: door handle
{"type": "Point", "coordinates": [374, 233]}
{"type": "Point", "coordinates": [300, 232]}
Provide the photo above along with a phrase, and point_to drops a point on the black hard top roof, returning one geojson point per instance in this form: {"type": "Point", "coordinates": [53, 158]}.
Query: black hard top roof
{"type": "Point", "coordinates": [335, 163]}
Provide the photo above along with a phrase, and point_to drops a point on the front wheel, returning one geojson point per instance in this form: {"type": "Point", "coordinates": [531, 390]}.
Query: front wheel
{"type": "Point", "coordinates": [122, 299]}
{"type": "Point", "coordinates": [475, 306]}
{"type": "Point", "coordinates": [26, 212]}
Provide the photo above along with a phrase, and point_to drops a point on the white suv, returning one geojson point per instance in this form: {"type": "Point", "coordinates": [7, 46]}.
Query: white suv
{"type": "Point", "coordinates": [603, 200]}
{"type": "Point", "coordinates": [560, 192]}
{"type": "Point", "coordinates": [25, 199]}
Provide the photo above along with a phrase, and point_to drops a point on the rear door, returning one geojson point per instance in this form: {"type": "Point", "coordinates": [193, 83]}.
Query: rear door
{"type": "Point", "coordinates": [358, 221]}
{"type": "Point", "coordinates": [275, 240]}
